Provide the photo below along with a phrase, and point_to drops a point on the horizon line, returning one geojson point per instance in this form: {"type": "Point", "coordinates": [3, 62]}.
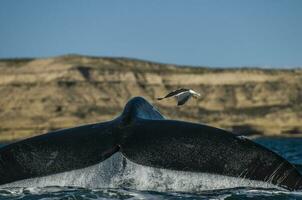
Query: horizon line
{"type": "Point", "coordinates": [265, 67]}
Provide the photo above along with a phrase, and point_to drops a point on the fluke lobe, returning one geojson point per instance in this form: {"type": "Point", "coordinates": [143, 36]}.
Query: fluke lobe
{"type": "Point", "coordinates": [145, 137]}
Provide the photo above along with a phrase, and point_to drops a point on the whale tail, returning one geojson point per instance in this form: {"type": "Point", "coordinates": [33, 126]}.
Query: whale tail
{"type": "Point", "coordinates": [145, 137]}
{"type": "Point", "coordinates": [57, 151]}
{"type": "Point", "coordinates": [200, 148]}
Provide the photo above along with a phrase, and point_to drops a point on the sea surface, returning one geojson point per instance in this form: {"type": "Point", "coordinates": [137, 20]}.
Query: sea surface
{"type": "Point", "coordinates": [145, 183]}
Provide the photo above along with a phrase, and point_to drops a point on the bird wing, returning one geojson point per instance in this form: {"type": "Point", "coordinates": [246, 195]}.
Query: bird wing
{"type": "Point", "coordinates": [176, 92]}
{"type": "Point", "coordinates": [183, 98]}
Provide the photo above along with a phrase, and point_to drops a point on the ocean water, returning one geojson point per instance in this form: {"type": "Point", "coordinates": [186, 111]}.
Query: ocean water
{"type": "Point", "coordinates": [113, 179]}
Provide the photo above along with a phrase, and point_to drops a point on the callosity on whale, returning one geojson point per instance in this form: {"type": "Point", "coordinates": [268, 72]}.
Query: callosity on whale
{"type": "Point", "coordinates": [145, 137]}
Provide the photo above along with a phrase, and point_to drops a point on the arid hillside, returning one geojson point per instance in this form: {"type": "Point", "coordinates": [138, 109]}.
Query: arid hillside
{"type": "Point", "coordinates": [39, 95]}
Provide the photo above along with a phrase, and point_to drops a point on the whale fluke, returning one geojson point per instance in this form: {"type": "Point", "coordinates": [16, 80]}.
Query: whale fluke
{"type": "Point", "coordinates": [145, 137]}
{"type": "Point", "coordinates": [58, 151]}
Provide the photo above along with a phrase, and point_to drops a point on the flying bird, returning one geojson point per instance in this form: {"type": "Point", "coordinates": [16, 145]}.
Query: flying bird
{"type": "Point", "coordinates": [182, 95]}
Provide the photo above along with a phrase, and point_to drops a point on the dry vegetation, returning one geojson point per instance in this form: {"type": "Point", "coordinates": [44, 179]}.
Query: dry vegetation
{"type": "Point", "coordinates": [39, 95]}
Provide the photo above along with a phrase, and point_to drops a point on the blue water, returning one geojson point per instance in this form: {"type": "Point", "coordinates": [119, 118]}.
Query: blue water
{"type": "Point", "coordinates": [290, 148]}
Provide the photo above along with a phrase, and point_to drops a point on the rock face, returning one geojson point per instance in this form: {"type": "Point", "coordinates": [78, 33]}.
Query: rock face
{"type": "Point", "coordinates": [39, 95]}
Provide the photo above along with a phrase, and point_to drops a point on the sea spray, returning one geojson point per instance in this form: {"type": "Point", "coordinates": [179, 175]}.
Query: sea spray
{"type": "Point", "coordinates": [118, 172]}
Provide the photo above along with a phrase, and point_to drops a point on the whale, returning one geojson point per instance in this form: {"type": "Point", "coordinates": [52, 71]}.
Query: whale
{"type": "Point", "coordinates": [142, 135]}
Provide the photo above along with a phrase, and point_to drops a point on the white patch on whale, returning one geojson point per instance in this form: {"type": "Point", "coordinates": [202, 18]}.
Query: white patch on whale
{"type": "Point", "coordinates": [117, 172]}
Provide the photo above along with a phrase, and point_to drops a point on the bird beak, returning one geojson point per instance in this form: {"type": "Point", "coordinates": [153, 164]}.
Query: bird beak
{"type": "Point", "coordinates": [197, 95]}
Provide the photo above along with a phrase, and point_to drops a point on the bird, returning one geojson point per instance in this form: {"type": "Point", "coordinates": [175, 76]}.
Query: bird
{"type": "Point", "coordinates": [182, 95]}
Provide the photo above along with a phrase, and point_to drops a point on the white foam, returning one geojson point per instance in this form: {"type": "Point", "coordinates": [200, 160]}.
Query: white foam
{"type": "Point", "coordinates": [117, 172]}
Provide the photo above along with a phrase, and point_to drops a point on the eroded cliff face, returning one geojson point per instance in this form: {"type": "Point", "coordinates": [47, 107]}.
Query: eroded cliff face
{"type": "Point", "coordinates": [39, 95]}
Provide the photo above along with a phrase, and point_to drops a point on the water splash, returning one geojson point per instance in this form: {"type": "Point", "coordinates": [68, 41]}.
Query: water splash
{"type": "Point", "coordinates": [117, 172]}
{"type": "Point", "coordinates": [56, 192]}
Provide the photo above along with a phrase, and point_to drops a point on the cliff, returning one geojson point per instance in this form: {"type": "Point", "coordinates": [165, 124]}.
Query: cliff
{"type": "Point", "coordinates": [39, 95]}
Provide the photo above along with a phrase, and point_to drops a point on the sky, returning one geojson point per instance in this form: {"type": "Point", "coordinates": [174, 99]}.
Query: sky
{"type": "Point", "coordinates": [217, 33]}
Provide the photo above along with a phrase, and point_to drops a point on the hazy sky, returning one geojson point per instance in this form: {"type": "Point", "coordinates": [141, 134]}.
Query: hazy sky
{"type": "Point", "coordinates": [193, 32]}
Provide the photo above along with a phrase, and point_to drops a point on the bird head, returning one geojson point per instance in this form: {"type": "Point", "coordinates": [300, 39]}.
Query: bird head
{"type": "Point", "coordinates": [195, 94]}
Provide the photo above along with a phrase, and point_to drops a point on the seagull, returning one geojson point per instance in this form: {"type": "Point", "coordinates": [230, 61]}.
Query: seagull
{"type": "Point", "coordinates": [182, 95]}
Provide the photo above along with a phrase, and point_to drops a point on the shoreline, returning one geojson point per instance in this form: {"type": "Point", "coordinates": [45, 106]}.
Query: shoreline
{"type": "Point", "coordinates": [251, 137]}
{"type": "Point", "coordinates": [41, 95]}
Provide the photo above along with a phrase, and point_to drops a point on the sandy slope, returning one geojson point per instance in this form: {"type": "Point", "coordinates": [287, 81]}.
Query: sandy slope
{"type": "Point", "coordinates": [38, 95]}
